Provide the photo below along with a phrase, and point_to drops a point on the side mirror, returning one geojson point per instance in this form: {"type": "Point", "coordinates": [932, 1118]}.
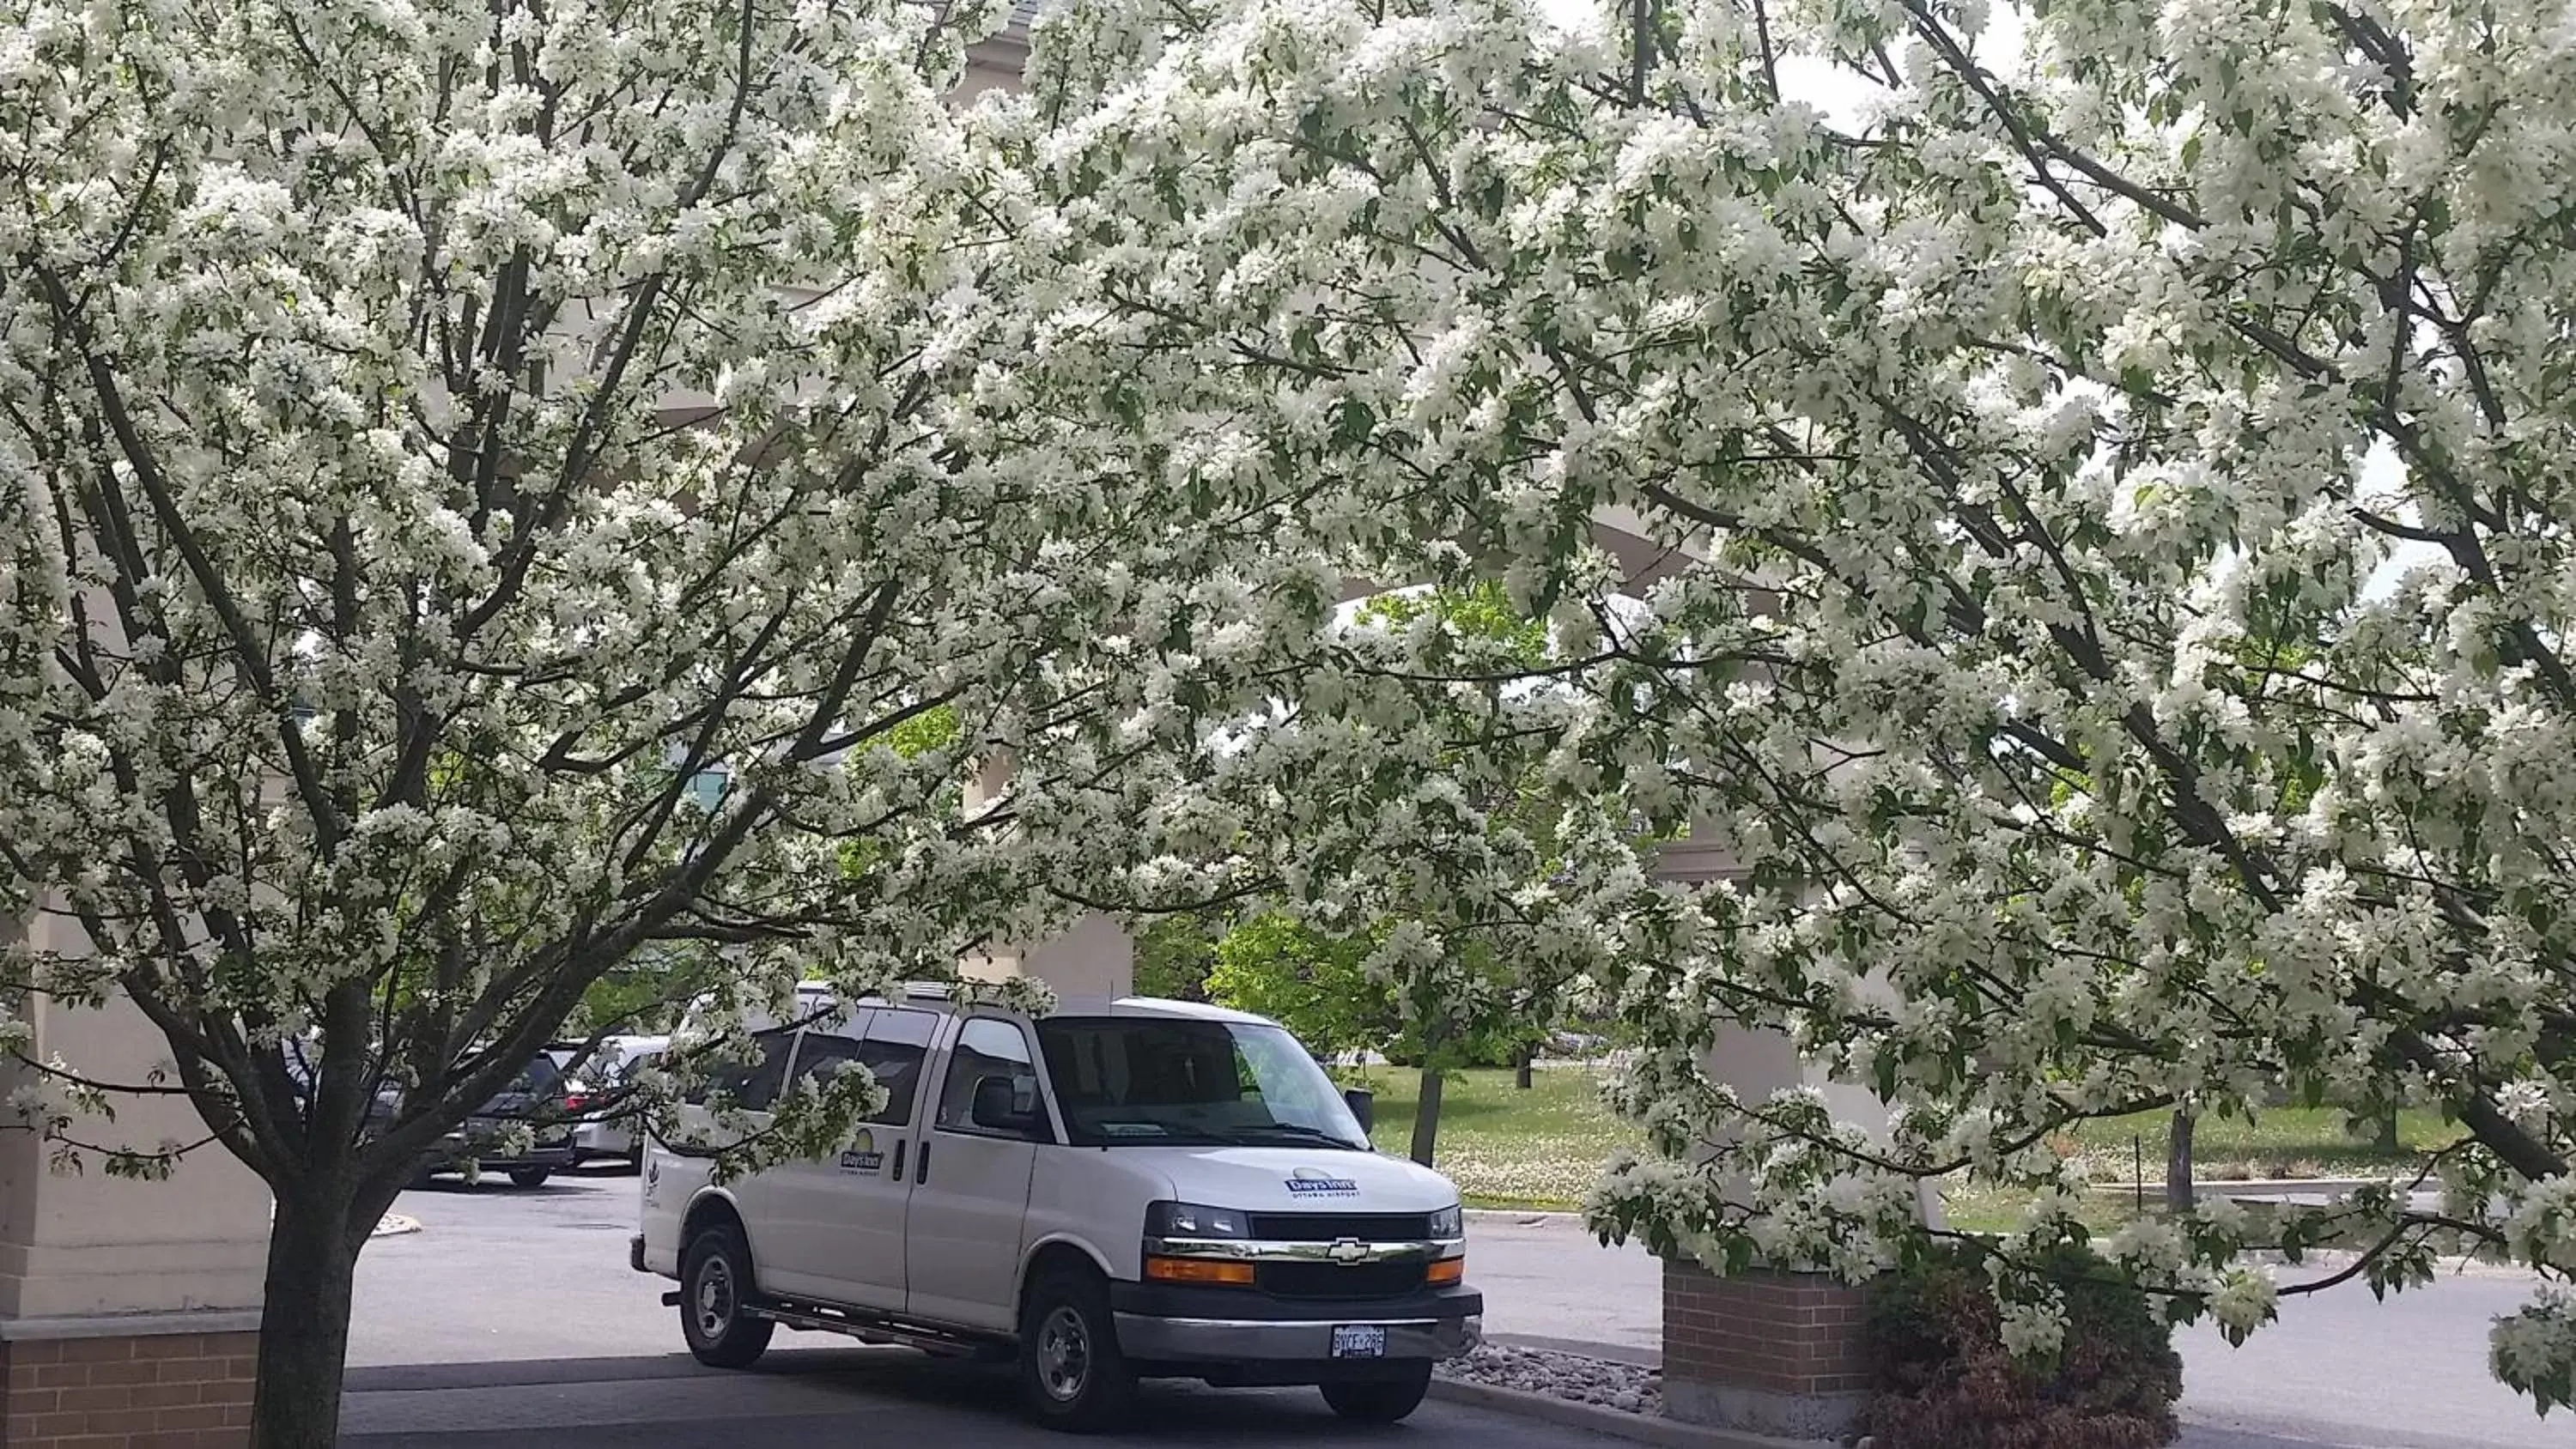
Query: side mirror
{"type": "Point", "coordinates": [1005, 1105]}
{"type": "Point", "coordinates": [1363, 1105]}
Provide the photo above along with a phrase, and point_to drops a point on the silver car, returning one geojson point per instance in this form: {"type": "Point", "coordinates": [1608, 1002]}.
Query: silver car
{"type": "Point", "coordinates": [611, 1133]}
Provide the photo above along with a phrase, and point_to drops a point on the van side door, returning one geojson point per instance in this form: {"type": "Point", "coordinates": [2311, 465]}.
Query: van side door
{"type": "Point", "coordinates": [966, 1224]}
{"type": "Point", "coordinates": [846, 1212]}
{"type": "Point", "coordinates": [795, 1197]}
{"type": "Point", "coordinates": [676, 1173]}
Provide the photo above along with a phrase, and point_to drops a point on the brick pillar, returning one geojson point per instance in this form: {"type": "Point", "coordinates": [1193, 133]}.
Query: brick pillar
{"type": "Point", "coordinates": [130, 1384]}
{"type": "Point", "coordinates": [1785, 1354]}
{"type": "Point", "coordinates": [129, 1310]}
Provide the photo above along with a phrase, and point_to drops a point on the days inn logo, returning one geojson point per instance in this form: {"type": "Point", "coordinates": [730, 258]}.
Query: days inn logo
{"type": "Point", "coordinates": [863, 1155]}
{"type": "Point", "coordinates": [1307, 1183]}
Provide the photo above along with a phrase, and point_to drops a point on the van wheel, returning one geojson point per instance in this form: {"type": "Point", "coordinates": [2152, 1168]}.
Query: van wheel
{"type": "Point", "coordinates": [531, 1176]}
{"type": "Point", "coordinates": [1070, 1367]}
{"type": "Point", "coordinates": [1380, 1401]}
{"type": "Point", "coordinates": [715, 1293]}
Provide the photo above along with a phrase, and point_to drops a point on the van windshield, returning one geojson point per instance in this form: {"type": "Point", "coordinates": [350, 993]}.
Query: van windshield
{"type": "Point", "coordinates": [1159, 1081]}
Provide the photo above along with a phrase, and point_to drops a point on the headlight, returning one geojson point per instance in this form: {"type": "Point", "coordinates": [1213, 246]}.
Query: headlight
{"type": "Point", "coordinates": [1193, 1220]}
{"type": "Point", "coordinates": [1449, 1222]}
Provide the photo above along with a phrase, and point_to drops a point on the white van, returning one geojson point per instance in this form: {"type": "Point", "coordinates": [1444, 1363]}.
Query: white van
{"type": "Point", "coordinates": [1119, 1190]}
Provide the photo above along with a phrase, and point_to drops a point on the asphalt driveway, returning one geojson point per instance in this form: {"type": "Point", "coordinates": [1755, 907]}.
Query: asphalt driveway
{"type": "Point", "coordinates": [512, 1319]}
{"type": "Point", "coordinates": [804, 1397]}
{"type": "Point", "coordinates": [513, 1314]}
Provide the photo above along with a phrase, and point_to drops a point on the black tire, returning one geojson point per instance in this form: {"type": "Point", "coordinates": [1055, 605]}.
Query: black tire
{"type": "Point", "coordinates": [1071, 1370]}
{"type": "Point", "coordinates": [715, 1289]}
{"type": "Point", "coordinates": [1380, 1401]}
{"type": "Point", "coordinates": [531, 1176]}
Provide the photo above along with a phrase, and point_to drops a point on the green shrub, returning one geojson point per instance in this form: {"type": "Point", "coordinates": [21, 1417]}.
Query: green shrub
{"type": "Point", "coordinates": [1946, 1381]}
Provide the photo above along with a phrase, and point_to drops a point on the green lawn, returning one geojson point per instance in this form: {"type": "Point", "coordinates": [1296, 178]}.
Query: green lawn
{"type": "Point", "coordinates": [2283, 1142]}
{"type": "Point", "coordinates": [1544, 1147]}
{"type": "Point", "coordinates": [1505, 1147]}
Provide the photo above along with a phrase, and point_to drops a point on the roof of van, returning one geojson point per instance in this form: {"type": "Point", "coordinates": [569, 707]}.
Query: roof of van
{"type": "Point", "coordinates": [1154, 1006]}
{"type": "Point", "coordinates": [1077, 1005]}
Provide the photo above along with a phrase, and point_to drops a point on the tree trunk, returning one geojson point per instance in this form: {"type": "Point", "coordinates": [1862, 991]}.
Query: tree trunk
{"type": "Point", "coordinates": [304, 1326]}
{"type": "Point", "coordinates": [2386, 1142]}
{"type": "Point", "coordinates": [1426, 1115]}
{"type": "Point", "coordinates": [2178, 1189]}
{"type": "Point", "coordinates": [1522, 1062]}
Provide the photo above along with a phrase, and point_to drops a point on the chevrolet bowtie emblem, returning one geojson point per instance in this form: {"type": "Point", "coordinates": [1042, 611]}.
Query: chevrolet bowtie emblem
{"type": "Point", "coordinates": [1347, 1250]}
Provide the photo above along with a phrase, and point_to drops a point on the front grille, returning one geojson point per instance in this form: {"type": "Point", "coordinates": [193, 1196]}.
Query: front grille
{"type": "Point", "coordinates": [1339, 1280]}
{"type": "Point", "coordinates": [1333, 1227]}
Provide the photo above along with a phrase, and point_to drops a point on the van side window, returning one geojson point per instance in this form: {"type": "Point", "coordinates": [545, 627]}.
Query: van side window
{"type": "Point", "coordinates": [752, 1086]}
{"type": "Point", "coordinates": [822, 1056]}
{"type": "Point", "coordinates": [986, 1048]}
{"type": "Point", "coordinates": [897, 1042]}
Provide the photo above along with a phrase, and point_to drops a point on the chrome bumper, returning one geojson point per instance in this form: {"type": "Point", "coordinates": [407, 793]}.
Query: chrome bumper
{"type": "Point", "coordinates": [1245, 1340]}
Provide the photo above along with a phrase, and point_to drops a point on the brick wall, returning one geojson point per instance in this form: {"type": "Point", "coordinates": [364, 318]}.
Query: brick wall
{"type": "Point", "coordinates": [1777, 1333]}
{"type": "Point", "coordinates": [160, 1391]}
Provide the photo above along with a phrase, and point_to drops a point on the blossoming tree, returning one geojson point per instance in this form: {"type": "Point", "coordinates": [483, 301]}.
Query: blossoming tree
{"type": "Point", "coordinates": [485, 490]}
{"type": "Point", "coordinates": [2124, 460]}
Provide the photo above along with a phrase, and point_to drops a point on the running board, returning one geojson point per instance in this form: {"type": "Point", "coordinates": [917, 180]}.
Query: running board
{"type": "Point", "coordinates": [870, 1330]}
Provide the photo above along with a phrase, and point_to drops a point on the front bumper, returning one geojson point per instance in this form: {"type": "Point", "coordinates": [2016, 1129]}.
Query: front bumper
{"type": "Point", "coordinates": [1176, 1325]}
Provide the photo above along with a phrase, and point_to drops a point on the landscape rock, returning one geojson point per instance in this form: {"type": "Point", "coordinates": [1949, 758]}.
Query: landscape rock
{"type": "Point", "coordinates": [1574, 1377]}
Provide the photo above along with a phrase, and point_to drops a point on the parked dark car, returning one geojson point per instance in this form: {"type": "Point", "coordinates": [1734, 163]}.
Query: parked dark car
{"type": "Point", "coordinates": [535, 1097]}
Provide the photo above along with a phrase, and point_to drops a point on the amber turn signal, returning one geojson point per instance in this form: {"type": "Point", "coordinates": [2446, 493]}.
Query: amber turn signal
{"type": "Point", "coordinates": [1445, 1271]}
{"type": "Point", "coordinates": [1198, 1270]}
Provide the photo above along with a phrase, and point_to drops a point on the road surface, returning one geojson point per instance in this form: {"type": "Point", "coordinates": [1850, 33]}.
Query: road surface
{"type": "Point", "coordinates": [804, 1397]}
{"type": "Point", "coordinates": [527, 1292]}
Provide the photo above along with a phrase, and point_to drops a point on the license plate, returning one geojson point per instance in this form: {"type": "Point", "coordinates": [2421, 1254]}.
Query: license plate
{"type": "Point", "coordinates": [1359, 1340]}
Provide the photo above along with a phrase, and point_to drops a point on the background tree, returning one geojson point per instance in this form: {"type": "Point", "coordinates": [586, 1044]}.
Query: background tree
{"type": "Point", "coordinates": [1323, 989]}
{"type": "Point", "coordinates": [2179, 1191]}
{"type": "Point", "coordinates": [1315, 985]}
{"type": "Point", "coordinates": [1175, 954]}
{"type": "Point", "coordinates": [2116, 461]}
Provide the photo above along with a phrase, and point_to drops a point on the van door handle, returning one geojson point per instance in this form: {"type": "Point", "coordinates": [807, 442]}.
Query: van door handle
{"type": "Point", "coordinates": [921, 1164]}
{"type": "Point", "coordinates": [899, 1145]}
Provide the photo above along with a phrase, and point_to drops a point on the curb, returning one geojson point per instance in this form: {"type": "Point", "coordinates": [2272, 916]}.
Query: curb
{"type": "Point", "coordinates": [1523, 1217]}
{"type": "Point", "coordinates": [2231, 1186]}
{"type": "Point", "coordinates": [1644, 1358]}
{"type": "Point", "coordinates": [1635, 1428]}
{"type": "Point", "coordinates": [394, 1225]}
{"type": "Point", "coordinates": [2449, 1265]}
